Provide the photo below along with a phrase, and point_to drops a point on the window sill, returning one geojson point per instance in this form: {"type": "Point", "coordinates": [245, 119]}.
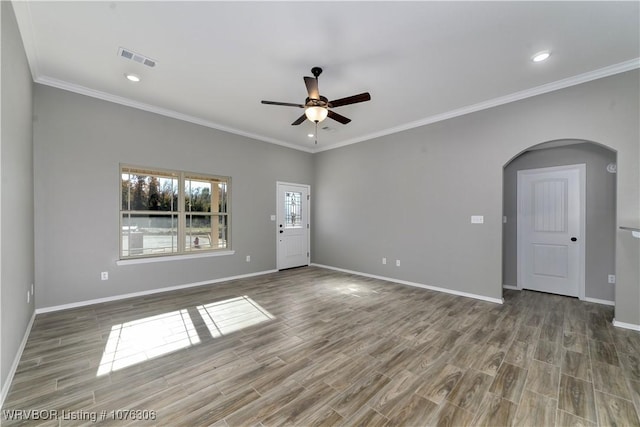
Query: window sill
{"type": "Point", "coordinates": [173, 257]}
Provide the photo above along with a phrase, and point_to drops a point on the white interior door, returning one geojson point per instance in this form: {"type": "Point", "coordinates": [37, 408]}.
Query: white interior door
{"type": "Point", "coordinates": [551, 212]}
{"type": "Point", "coordinates": [293, 225]}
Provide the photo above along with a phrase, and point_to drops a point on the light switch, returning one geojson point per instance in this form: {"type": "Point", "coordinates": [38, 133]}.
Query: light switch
{"type": "Point", "coordinates": [273, 217]}
{"type": "Point", "coordinates": [477, 219]}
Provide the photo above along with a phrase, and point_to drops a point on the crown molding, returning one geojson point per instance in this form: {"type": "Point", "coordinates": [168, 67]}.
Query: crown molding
{"type": "Point", "coordinates": [82, 90]}
{"type": "Point", "coordinates": [25, 24]}
{"type": "Point", "coordinates": [517, 96]}
{"type": "Point", "coordinates": [22, 12]}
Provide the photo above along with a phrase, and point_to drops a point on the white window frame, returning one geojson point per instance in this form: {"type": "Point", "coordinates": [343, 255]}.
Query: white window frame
{"type": "Point", "coordinates": [182, 251]}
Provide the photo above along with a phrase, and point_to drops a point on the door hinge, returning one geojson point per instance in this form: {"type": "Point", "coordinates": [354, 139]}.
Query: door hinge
{"type": "Point", "coordinates": [307, 226]}
{"type": "Point", "coordinates": [308, 197]}
{"type": "Point", "coordinates": [307, 254]}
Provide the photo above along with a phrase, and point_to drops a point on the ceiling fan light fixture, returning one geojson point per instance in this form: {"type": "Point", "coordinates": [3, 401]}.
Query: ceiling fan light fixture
{"type": "Point", "coordinates": [316, 114]}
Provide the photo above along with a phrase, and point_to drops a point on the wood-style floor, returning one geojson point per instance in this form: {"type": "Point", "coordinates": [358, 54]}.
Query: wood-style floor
{"type": "Point", "coordinates": [313, 347]}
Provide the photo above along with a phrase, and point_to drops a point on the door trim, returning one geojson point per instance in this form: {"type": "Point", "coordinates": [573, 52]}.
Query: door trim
{"type": "Point", "coordinates": [582, 188]}
{"type": "Point", "coordinates": [308, 205]}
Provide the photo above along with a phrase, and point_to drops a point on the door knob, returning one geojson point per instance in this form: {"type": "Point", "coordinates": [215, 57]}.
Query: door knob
{"type": "Point", "coordinates": [281, 231]}
{"type": "Point", "coordinates": [574, 239]}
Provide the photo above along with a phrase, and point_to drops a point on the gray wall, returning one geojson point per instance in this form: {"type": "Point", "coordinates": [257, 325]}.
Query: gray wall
{"type": "Point", "coordinates": [600, 212]}
{"type": "Point", "coordinates": [407, 196]}
{"type": "Point", "coordinates": [79, 143]}
{"type": "Point", "coordinates": [16, 154]}
{"type": "Point", "coordinates": [410, 195]}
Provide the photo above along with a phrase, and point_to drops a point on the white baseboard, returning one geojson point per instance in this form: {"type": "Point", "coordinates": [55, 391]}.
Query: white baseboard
{"type": "Point", "coordinates": [149, 292]}
{"type": "Point", "coordinates": [16, 361]}
{"type": "Point", "coordinates": [626, 325]}
{"type": "Point", "coordinates": [417, 285]}
{"type": "Point", "coordinates": [593, 300]}
{"type": "Point", "coordinates": [14, 367]}
{"type": "Point", "coordinates": [600, 301]}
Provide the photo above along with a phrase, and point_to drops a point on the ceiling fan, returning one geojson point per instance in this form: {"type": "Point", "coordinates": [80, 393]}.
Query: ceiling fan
{"type": "Point", "coordinates": [317, 107]}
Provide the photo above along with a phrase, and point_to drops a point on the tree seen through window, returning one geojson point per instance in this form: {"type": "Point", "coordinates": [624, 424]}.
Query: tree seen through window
{"type": "Point", "coordinates": [154, 222]}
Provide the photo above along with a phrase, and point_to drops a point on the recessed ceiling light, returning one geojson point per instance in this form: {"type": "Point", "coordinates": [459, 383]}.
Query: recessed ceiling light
{"type": "Point", "coordinates": [310, 135]}
{"type": "Point", "coordinates": [132, 77]}
{"type": "Point", "coordinates": [541, 56]}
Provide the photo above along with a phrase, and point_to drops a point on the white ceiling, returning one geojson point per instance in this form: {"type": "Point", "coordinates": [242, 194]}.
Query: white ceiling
{"type": "Point", "coordinates": [421, 61]}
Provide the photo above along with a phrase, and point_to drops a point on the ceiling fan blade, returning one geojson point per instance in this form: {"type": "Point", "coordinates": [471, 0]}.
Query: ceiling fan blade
{"type": "Point", "coordinates": [354, 99]}
{"type": "Point", "coordinates": [312, 87]}
{"type": "Point", "coordinates": [338, 118]}
{"type": "Point", "coordinates": [300, 119]}
{"type": "Point", "coordinates": [284, 104]}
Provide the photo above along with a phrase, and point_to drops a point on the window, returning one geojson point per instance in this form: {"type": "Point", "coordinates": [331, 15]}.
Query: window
{"type": "Point", "coordinates": [170, 212]}
{"type": "Point", "coordinates": [292, 209]}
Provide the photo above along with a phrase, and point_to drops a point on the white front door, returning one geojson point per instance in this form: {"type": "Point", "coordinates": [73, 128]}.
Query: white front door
{"type": "Point", "coordinates": [551, 212]}
{"type": "Point", "coordinates": [292, 225]}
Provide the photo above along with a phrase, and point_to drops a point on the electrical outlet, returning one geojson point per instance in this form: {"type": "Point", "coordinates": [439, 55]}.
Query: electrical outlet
{"type": "Point", "coordinates": [32, 289]}
{"type": "Point", "coordinates": [397, 263]}
{"type": "Point", "coordinates": [104, 275]}
{"type": "Point", "coordinates": [611, 278]}
{"type": "Point", "coordinates": [248, 258]}
{"type": "Point", "coordinates": [384, 260]}
{"type": "Point", "coordinates": [28, 297]}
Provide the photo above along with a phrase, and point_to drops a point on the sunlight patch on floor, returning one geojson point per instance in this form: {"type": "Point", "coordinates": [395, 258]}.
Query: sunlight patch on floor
{"type": "Point", "coordinates": [225, 317]}
{"type": "Point", "coordinates": [140, 340]}
{"type": "Point", "coordinates": [144, 339]}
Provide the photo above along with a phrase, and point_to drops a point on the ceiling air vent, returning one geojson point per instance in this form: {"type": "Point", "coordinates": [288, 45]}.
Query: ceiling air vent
{"type": "Point", "coordinates": [129, 54]}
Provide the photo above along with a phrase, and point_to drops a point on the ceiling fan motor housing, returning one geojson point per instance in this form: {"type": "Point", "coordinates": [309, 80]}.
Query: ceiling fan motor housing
{"type": "Point", "coordinates": [322, 102]}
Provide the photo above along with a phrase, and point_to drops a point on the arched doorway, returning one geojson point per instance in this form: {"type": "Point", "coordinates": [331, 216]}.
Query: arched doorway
{"type": "Point", "coordinates": [600, 215]}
